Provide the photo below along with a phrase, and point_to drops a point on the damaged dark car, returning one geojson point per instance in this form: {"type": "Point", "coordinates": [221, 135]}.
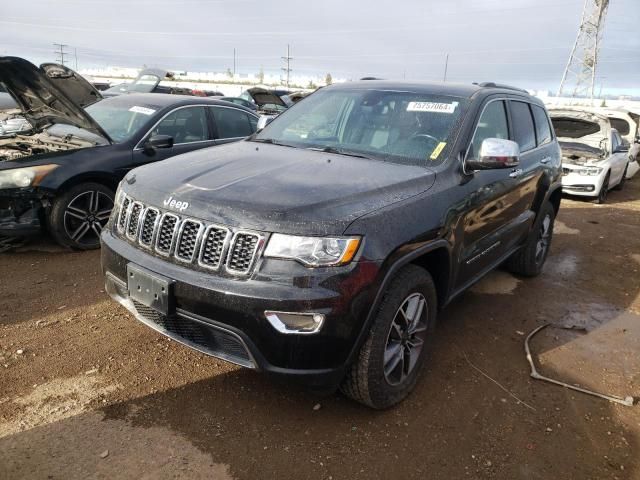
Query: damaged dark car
{"type": "Point", "coordinates": [60, 174]}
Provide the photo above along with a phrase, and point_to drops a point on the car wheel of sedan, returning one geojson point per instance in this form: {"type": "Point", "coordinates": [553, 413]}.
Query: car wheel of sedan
{"type": "Point", "coordinates": [620, 186]}
{"type": "Point", "coordinates": [604, 190]}
{"type": "Point", "coordinates": [529, 260]}
{"type": "Point", "coordinates": [79, 215]}
{"type": "Point", "coordinates": [387, 366]}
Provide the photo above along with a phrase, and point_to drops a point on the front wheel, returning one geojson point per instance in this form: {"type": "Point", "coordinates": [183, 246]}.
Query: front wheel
{"type": "Point", "coordinates": [387, 366]}
{"type": "Point", "coordinates": [529, 260]}
{"type": "Point", "coordinates": [604, 190]}
{"type": "Point", "coordinates": [79, 215]}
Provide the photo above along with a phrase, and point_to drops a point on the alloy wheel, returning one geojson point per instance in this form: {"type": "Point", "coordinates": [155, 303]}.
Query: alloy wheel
{"type": "Point", "coordinates": [406, 338]}
{"type": "Point", "coordinates": [86, 215]}
{"type": "Point", "coordinates": [544, 237]}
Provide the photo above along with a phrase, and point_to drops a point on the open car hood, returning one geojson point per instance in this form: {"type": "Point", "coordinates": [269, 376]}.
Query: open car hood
{"type": "Point", "coordinates": [146, 82]}
{"type": "Point", "coordinates": [72, 85]}
{"type": "Point", "coordinates": [262, 97]}
{"type": "Point", "coordinates": [43, 100]}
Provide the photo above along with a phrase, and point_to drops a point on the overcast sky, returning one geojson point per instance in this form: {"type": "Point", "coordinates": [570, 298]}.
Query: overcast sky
{"type": "Point", "coordinates": [523, 42]}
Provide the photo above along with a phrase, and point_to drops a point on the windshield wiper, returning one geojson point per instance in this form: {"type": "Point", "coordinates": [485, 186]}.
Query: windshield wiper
{"type": "Point", "coordinates": [339, 151]}
{"type": "Point", "coordinates": [271, 141]}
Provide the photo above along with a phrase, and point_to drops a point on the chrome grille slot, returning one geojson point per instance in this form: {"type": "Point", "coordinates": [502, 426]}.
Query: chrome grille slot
{"type": "Point", "coordinates": [243, 252]}
{"type": "Point", "coordinates": [149, 223]}
{"type": "Point", "coordinates": [133, 220]}
{"type": "Point", "coordinates": [166, 233]}
{"type": "Point", "coordinates": [187, 240]}
{"type": "Point", "coordinates": [213, 247]}
{"type": "Point", "coordinates": [122, 215]}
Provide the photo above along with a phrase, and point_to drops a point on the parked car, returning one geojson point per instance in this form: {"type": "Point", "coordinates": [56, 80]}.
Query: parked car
{"type": "Point", "coordinates": [323, 247]}
{"type": "Point", "coordinates": [267, 102]}
{"type": "Point", "coordinates": [149, 80]}
{"type": "Point", "coordinates": [627, 123]}
{"type": "Point", "coordinates": [594, 157]}
{"type": "Point", "coordinates": [62, 174]}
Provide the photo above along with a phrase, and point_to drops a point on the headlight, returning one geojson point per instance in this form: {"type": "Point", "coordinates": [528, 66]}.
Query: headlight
{"type": "Point", "coordinates": [313, 251]}
{"type": "Point", "coordinates": [24, 177]}
{"type": "Point", "coordinates": [590, 171]}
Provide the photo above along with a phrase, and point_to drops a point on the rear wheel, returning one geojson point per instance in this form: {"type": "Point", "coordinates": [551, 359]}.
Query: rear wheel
{"type": "Point", "coordinates": [387, 367]}
{"type": "Point", "coordinates": [529, 260]}
{"type": "Point", "coordinates": [604, 190]}
{"type": "Point", "coordinates": [79, 215]}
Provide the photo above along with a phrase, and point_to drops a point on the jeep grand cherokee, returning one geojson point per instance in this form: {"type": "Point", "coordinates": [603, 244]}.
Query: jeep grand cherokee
{"type": "Point", "coordinates": [323, 246]}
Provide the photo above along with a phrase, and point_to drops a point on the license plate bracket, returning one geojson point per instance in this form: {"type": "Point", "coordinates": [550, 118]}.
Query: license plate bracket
{"type": "Point", "coordinates": [150, 289]}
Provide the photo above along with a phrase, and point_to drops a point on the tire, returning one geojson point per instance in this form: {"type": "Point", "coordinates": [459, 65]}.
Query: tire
{"type": "Point", "coordinates": [366, 381]}
{"type": "Point", "coordinates": [604, 190]}
{"type": "Point", "coordinates": [79, 214]}
{"type": "Point", "coordinates": [529, 260]}
{"type": "Point", "coordinates": [620, 185]}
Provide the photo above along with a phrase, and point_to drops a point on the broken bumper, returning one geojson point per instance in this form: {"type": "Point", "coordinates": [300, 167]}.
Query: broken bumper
{"type": "Point", "coordinates": [21, 213]}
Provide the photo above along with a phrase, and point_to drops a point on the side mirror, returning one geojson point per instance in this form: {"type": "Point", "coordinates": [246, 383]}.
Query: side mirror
{"type": "Point", "coordinates": [264, 120]}
{"type": "Point", "coordinates": [622, 148]}
{"type": "Point", "coordinates": [158, 141]}
{"type": "Point", "coordinates": [496, 153]}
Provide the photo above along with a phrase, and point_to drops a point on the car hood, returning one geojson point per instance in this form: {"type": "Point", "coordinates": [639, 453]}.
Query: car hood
{"type": "Point", "coordinates": [275, 189]}
{"type": "Point", "coordinates": [262, 97]}
{"type": "Point", "coordinates": [43, 102]}
{"type": "Point", "coordinates": [72, 84]}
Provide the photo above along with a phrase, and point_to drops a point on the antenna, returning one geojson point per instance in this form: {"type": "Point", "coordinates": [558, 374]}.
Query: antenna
{"type": "Point", "coordinates": [287, 69]}
{"type": "Point", "coordinates": [579, 76]}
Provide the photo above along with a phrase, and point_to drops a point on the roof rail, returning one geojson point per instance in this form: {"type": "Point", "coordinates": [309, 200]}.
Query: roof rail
{"type": "Point", "coordinates": [500, 85]}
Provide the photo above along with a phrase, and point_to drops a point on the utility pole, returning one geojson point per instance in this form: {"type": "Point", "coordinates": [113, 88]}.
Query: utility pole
{"type": "Point", "coordinates": [234, 62]}
{"type": "Point", "coordinates": [287, 69]}
{"type": "Point", "coordinates": [578, 79]}
{"type": "Point", "coordinates": [60, 52]}
{"type": "Point", "coordinates": [446, 66]}
{"type": "Point", "coordinates": [75, 53]}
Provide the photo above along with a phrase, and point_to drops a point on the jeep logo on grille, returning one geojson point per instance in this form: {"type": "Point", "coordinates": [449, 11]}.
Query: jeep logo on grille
{"type": "Point", "coordinates": [176, 204]}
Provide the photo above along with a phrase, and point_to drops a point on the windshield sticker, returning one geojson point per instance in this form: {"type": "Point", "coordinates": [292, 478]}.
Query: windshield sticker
{"type": "Point", "coordinates": [438, 150]}
{"type": "Point", "coordinates": [143, 110]}
{"type": "Point", "coordinates": [432, 107]}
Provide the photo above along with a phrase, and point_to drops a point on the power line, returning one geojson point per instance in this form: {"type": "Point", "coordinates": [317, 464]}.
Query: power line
{"type": "Point", "coordinates": [60, 52]}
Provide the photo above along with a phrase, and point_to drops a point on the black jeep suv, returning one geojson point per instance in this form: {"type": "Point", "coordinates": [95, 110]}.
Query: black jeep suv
{"type": "Point", "coordinates": [323, 246]}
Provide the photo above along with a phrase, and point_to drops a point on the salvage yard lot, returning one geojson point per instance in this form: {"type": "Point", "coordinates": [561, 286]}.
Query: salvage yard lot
{"type": "Point", "coordinates": [86, 391]}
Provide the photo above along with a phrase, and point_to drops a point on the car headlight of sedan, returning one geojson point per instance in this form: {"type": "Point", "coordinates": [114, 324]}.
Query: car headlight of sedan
{"type": "Point", "coordinates": [589, 171]}
{"type": "Point", "coordinates": [24, 177]}
{"type": "Point", "coordinates": [313, 251]}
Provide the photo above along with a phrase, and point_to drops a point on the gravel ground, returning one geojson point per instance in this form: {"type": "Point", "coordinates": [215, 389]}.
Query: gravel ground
{"type": "Point", "coordinates": [88, 392]}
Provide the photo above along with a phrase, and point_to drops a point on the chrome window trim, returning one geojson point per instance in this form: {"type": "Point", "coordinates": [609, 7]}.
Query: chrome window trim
{"type": "Point", "coordinates": [146, 135]}
{"type": "Point", "coordinates": [223, 252]}
{"type": "Point", "coordinates": [178, 239]}
{"type": "Point", "coordinates": [153, 228]}
{"type": "Point", "coordinates": [173, 236]}
{"type": "Point", "coordinates": [133, 237]}
{"type": "Point", "coordinates": [257, 251]}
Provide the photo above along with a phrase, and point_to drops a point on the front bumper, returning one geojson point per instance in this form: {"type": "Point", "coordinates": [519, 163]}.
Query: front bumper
{"type": "Point", "coordinates": [581, 185]}
{"type": "Point", "coordinates": [224, 317]}
{"type": "Point", "coordinates": [21, 213]}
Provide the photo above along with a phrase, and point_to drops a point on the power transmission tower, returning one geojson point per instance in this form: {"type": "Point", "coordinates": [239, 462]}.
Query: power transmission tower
{"type": "Point", "coordinates": [60, 52]}
{"type": "Point", "coordinates": [287, 69]}
{"type": "Point", "coordinates": [579, 75]}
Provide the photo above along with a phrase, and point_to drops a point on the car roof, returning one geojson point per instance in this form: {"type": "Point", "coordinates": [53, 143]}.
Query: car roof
{"type": "Point", "coordinates": [164, 100]}
{"type": "Point", "coordinates": [464, 90]}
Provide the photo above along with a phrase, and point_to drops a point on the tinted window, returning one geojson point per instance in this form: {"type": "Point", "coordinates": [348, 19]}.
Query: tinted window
{"type": "Point", "coordinates": [185, 125]}
{"type": "Point", "coordinates": [232, 123]}
{"type": "Point", "coordinates": [492, 124]}
{"type": "Point", "coordinates": [524, 133]}
{"type": "Point", "coordinates": [542, 125]}
{"type": "Point", "coordinates": [620, 125]}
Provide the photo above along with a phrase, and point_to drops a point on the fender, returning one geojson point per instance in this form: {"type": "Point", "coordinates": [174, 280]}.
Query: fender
{"type": "Point", "coordinates": [388, 276]}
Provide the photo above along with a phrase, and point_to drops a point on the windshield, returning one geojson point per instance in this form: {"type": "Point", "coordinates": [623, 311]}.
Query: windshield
{"type": "Point", "coordinates": [120, 121]}
{"type": "Point", "coordinates": [402, 127]}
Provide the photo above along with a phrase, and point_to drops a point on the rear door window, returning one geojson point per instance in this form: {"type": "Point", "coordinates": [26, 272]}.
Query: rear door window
{"type": "Point", "coordinates": [492, 124]}
{"type": "Point", "coordinates": [232, 123]}
{"type": "Point", "coordinates": [524, 133]}
{"type": "Point", "coordinates": [543, 129]}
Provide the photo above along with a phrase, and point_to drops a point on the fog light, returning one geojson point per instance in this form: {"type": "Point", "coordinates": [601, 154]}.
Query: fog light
{"type": "Point", "coordinates": [295, 323]}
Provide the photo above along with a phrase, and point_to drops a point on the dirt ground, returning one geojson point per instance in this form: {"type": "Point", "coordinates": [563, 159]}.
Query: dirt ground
{"type": "Point", "coordinates": [88, 392]}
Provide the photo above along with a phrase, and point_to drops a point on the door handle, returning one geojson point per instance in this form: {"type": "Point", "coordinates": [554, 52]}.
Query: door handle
{"type": "Point", "coordinates": [545, 160]}
{"type": "Point", "coordinates": [516, 173]}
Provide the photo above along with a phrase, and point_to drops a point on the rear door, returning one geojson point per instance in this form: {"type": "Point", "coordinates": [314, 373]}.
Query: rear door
{"type": "Point", "coordinates": [190, 128]}
{"type": "Point", "coordinates": [618, 160]}
{"type": "Point", "coordinates": [232, 124]}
